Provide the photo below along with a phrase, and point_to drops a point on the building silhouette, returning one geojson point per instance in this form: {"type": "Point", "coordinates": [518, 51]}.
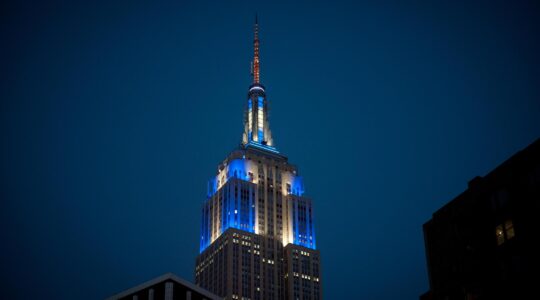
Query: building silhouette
{"type": "Point", "coordinates": [258, 236]}
{"type": "Point", "coordinates": [165, 287]}
{"type": "Point", "coordinates": [484, 244]}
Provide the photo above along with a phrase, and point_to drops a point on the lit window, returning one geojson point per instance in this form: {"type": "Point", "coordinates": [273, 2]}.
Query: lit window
{"type": "Point", "coordinates": [504, 232]}
{"type": "Point", "coordinates": [500, 234]}
{"type": "Point", "coordinates": [509, 229]}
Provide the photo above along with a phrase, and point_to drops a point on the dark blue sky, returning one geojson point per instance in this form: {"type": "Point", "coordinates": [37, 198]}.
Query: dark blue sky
{"type": "Point", "coordinates": [115, 115]}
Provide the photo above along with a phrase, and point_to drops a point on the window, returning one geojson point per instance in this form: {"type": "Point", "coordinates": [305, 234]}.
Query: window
{"type": "Point", "coordinates": [509, 229]}
{"type": "Point", "coordinates": [504, 232]}
{"type": "Point", "coordinates": [499, 232]}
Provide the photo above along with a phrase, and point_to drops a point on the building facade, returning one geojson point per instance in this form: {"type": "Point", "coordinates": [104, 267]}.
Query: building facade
{"type": "Point", "coordinates": [484, 243]}
{"type": "Point", "coordinates": [258, 235]}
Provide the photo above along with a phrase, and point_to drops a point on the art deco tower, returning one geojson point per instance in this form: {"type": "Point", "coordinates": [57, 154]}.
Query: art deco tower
{"type": "Point", "coordinates": [258, 235]}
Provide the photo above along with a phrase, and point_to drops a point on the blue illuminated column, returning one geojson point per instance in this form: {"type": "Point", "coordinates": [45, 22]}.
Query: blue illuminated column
{"type": "Point", "coordinates": [250, 120]}
{"type": "Point", "coordinates": [260, 119]}
{"type": "Point", "coordinates": [301, 221]}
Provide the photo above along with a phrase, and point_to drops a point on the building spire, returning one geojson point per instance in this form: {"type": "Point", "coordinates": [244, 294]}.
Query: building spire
{"type": "Point", "coordinates": [256, 125]}
{"type": "Point", "coordinates": [255, 63]}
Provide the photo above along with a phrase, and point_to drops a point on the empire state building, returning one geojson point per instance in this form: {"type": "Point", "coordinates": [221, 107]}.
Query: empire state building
{"type": "Point", "coordinates": [258, 235]}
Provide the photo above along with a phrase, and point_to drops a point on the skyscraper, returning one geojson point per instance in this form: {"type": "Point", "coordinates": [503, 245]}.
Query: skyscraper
{"type": "Point", "coordinates": [258, 235]}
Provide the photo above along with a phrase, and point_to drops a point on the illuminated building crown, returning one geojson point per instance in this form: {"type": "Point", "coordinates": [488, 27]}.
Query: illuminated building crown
{"type": "Point", "coordinates": [257, 131]}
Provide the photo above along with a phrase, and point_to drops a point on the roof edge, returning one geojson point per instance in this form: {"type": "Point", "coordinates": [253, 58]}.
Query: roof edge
{"type": "Point", "coordinates": [166, 276]}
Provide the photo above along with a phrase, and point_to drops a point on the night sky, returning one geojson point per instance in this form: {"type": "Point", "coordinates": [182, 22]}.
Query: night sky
{"type": "Point", "coordinates": [114, 116]}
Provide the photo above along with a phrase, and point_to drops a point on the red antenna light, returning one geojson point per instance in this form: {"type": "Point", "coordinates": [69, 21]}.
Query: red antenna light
{"type": "Point", "coordinates": [255, 63]}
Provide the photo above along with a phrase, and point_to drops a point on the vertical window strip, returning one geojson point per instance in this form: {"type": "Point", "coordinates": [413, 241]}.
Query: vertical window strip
{"type": "Point", "coordinates": [250, 120]}
{"type": "Point", "coordinates": [260, 119]}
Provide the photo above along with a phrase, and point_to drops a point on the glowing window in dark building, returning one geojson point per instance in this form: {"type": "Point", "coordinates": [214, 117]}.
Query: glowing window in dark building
{"type": "Point", "coordinates": [500, 234]}
{"type": "Point", "coordinates": [509, 229]}
{"type": "Point", "coordinates": [504, 232]}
